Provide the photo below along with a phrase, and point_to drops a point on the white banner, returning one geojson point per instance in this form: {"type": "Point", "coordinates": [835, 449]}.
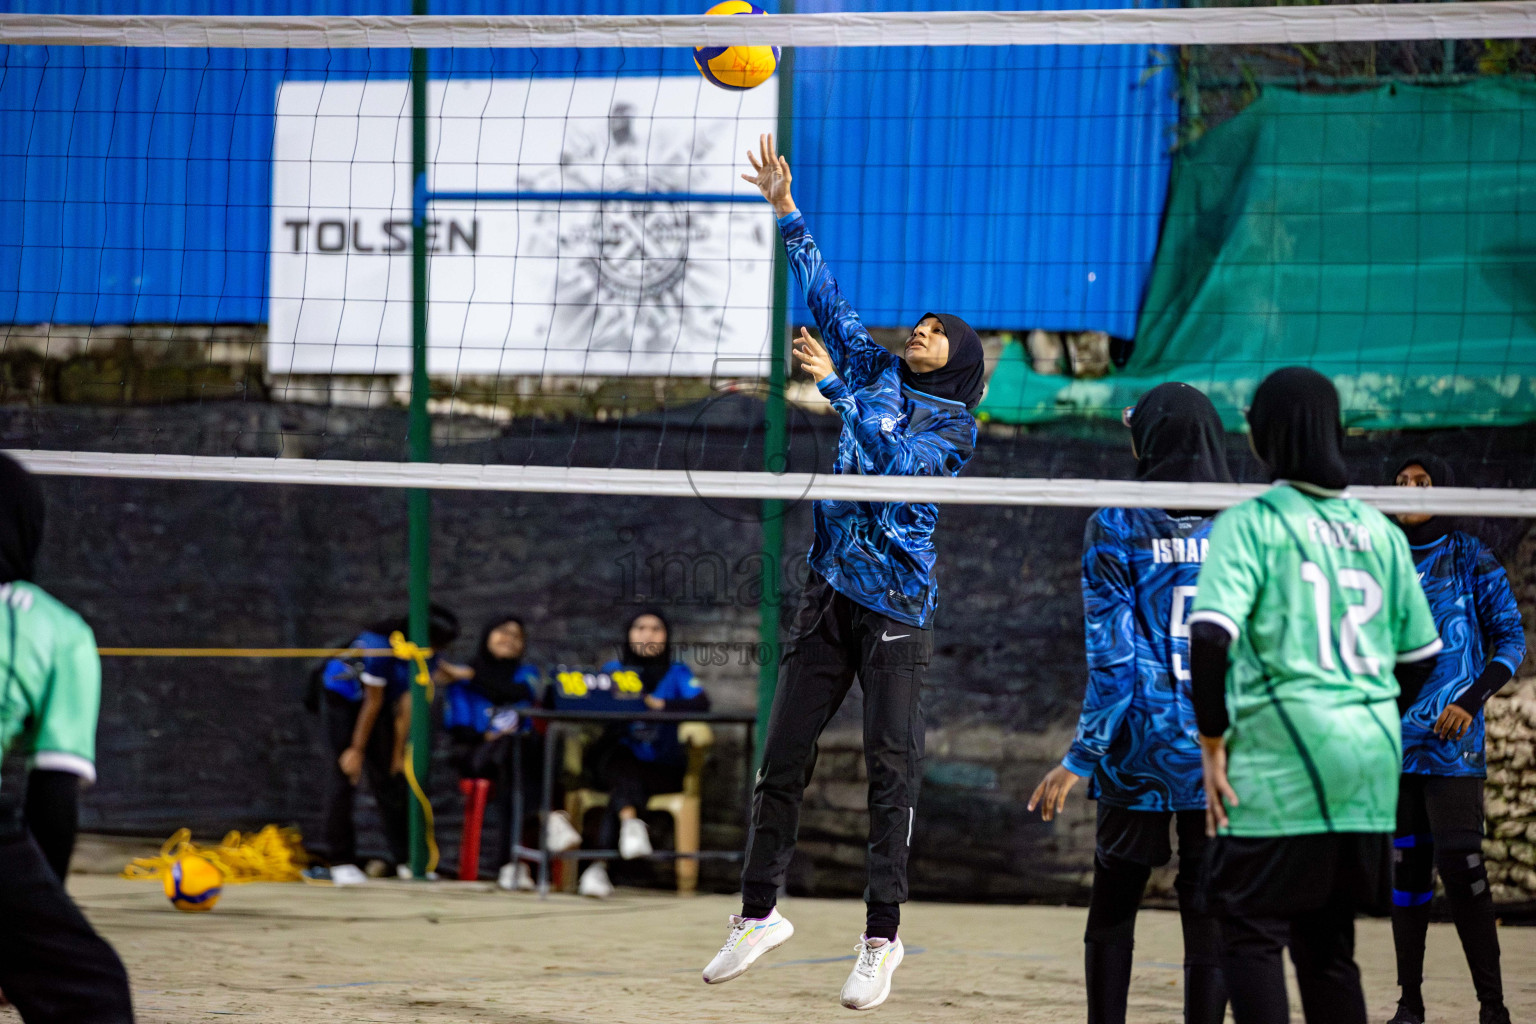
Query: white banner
{"type": "Point", "coordinates": [532, 287]}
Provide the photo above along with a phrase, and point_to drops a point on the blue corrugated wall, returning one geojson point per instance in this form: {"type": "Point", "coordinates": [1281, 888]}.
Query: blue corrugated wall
{"type": "Point", "coordinates": [1018, 187]}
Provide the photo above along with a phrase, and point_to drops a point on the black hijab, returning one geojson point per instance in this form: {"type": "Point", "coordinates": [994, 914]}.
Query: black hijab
{"type": "Point", "coordinates": [1178, 436]}
{"type": "Point", "coordinates": [21, 520]}
{"type": "Point", "coordinates": [1297, 430]}
{"type": "Point", "coordinates": [495, 677]}
{"type": "Point", "coordinates": [650, 668]}
{"type": "Point", "coordinates": [1440, 474]}
{"type": "Point", "coordinates": [962, 378]}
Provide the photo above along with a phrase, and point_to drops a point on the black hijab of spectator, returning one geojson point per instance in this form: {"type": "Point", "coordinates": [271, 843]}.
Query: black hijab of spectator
{"type": "Point", "coordinates": [21, 521]}
{"type": "Point", "coordinates": [495, 677]}
{"type": "Point", "coordinates": [1440, 474]}
{"type": "Point", "coordinates": [650, 668]}
{"type": "Point", "coordinates": [1297, 431]}
{"type": "Point", "coordinates": [962, 378]}
{"type": "Point", "coordinates": [1178, 436]}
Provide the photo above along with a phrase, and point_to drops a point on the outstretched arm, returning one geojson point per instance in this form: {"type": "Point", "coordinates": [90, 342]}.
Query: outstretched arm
{"type": "Point", "coordinates": [885, 441]}
{"type": "Point", "coordinates": [856, 356]}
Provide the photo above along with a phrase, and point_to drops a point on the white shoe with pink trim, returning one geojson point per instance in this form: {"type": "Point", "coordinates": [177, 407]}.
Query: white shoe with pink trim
{"type": "Point", "coordinates": [748, 939]}
{"type": "Point", "coordinates": [870, 983]}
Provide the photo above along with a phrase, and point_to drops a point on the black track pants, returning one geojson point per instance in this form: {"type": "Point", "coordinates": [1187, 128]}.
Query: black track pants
{"type": "Point", "coordinates": [1440, 827]}
{"type": "Point", "coordinates": [53, 965]}
{"type": "Point", "coordinates": [833, 641]}
{"type": "Point", "coordinates": [390, 792]}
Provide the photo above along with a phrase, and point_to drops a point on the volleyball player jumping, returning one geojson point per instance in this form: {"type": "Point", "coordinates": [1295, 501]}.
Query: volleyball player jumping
{"type": "Point", "coordinates": [867, 610]}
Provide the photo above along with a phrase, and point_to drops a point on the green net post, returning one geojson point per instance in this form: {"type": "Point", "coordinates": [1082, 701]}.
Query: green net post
{"type": "Point", "coordinates": [775, 434]}
{"type": "Point", "coordinates": [419, 501]}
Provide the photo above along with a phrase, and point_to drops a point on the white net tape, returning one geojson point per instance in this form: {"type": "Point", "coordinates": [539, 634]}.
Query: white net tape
{"type": "Point", "coordinates": [1246, 25]}
{"type": "Point", "coordinates": [1311, 24]}
{"type": "Point", "coordinates": [1461, 501]}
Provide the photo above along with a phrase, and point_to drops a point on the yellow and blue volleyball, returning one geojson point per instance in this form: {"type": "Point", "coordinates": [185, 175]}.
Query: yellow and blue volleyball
{"type": "Point", "coordinates": [193, 884]}
{"type": "Point", "coordinates": [736, 67]}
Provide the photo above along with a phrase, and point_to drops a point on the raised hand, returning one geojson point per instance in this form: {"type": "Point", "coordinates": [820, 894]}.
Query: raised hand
{"type": "Point", "coordinates": [812, 357]}
{"type": "Point", "coordinates": [771, 176]}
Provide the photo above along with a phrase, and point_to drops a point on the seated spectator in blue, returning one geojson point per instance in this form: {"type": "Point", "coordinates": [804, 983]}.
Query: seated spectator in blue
{"type": "Point", "coordinates": [366, 713]}
{"type": "Point", "coordinates": [637, 760]}
{"type": "Point", "coordinates": [483, 714]}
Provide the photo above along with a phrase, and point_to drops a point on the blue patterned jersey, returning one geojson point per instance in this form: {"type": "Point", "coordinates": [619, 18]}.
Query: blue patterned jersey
{"type": "Point", "coordinates": [1479, 622]}
{"type": "Point", "coordinates": [347, 676]}
{"type": "Point", "coordinates": [465, 707]}
{"type": "Point", "coordinates": [1136, 736]}
{"type": "Point", "coordinates": [656, 742]}
{"type": "Point", "coordinates": [879, 554]}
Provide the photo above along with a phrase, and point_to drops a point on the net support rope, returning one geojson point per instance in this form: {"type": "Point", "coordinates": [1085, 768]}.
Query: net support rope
{"type": "Point", "coordinates": [1501, 19]}
{"type": "Point", "coordinates": [713, 484]}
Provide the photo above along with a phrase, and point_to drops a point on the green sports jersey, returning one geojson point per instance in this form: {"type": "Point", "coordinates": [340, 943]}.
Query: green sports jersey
{"type": "Point", "coordinates": [50, 681]}
{"type": "Point", "coordinates": [1321, 598]}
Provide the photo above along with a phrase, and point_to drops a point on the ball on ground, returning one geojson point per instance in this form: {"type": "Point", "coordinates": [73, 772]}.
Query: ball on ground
{"type": "Point", "coordinates": [193, 884]}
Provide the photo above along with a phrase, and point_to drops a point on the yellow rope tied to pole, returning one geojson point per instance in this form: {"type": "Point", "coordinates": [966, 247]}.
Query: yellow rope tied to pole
{"type": "Point", "coordinates": [405, 650]}
{"type": "Point", "coordinates": [244, 652]}
{"type": "Point", "coordinates": [272, 855]}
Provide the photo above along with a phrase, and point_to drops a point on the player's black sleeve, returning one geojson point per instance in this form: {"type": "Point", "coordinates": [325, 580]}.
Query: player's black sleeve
{"type": "Point", "coordinates": [1489, 683]}
{"type": "Point", "coordinates": [1411, 677]}
{"type": "Point", "coordinates": [52, 814]}
{"type": "Point", "coordinates": [1208, 644]}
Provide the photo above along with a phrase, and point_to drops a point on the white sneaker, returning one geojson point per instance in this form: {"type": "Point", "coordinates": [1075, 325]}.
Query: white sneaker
{"type": "Point", "coordinates": [748, 939]}
{"type": "Point", "coordinates": [347, 874]}
{"type": "Point", "coordinates": [560, 835]}
{"type": "Point", "coordinates": [634, 839]}
{"type": "Point", "coordinates": [515, 875]}
{"type": "Point", "coordinates": [594, 882]}
{"type": "Point", "coordinates": [870, 982]}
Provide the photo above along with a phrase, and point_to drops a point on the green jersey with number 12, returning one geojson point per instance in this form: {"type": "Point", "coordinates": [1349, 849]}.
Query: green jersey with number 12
{"type": "Point", "coordinates": [1321, 598]}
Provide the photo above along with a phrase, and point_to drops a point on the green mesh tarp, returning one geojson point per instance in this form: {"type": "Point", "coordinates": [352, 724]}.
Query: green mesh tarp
{"type": "Point", "coordinates": [1386, 238]}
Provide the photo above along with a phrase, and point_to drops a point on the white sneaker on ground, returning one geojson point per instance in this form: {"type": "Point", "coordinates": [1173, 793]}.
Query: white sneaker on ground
{"type": "Point", "coordinates": [748, 939]}
{"type": "Point", "coordinates": [594, 882]}
{"type": "Point", "coordinates": [560, 835]}
{"type": "Point", "coordinates": [870, 982]}
{"type": "Point", "coordinates": [515, 875]}
{"type": "Point", "coordinates": [347, 874]}
{"type": "Point", "coordinates": [634, 839]}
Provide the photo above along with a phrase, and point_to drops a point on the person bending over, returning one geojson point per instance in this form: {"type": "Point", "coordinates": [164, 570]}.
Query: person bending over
{"type": "Point", "coordinates": [1308, 605]}
{"type": "Point", "coordinates": [867, 609]}
{"type": "Point", "coordinates": [1440, 797]}
{"type": "Point", "coordinates": [366, 714]}
{"type": "Point", "coordinates": [1136, 740]}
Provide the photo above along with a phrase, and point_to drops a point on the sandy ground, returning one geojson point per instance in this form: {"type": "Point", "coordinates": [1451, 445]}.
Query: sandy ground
{"type": "Point", "coordinates": [423, 952]}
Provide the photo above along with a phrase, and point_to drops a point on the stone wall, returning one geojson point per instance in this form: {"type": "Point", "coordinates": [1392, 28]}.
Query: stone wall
{"type": "Point", "coordinates": [1511, 792]}
{"type": "Point", "coordinates": [220, 745]}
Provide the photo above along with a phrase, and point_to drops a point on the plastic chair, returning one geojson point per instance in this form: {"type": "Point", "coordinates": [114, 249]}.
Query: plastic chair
{"type": "Point", "coordinates": [684, 806]}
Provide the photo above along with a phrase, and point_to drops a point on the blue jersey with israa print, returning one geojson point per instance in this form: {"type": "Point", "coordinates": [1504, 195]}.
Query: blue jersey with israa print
{"type": "Point", "coordinates": [1136, 738]}
{"type": "Point", "coordinates": [879, 554]}
{"type": "Point", "coordinates": [1479, 622]}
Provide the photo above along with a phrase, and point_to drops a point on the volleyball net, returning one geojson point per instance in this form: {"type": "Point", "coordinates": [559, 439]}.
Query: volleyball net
{"type": "Point", "coordinates": [215, 212]}
{"type": "Point", "coordinates": [217, 257]}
